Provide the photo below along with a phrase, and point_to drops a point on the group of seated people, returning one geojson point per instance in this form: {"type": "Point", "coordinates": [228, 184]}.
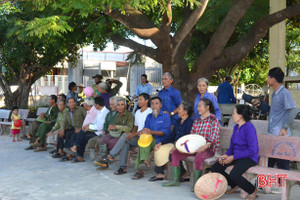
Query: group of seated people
{"type": "Point", "coordinates": [108, 129]}
{"type": "Point", "coordinates": [112, 132]}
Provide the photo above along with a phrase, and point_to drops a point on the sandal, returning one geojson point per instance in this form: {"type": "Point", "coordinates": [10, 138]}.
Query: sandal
{"type": "Point", "coordinates": [137, 176]}
{"type": "Point", "coordinates": [64, 158]}
{"type": "Point", "coordinates": [76, 160]}
{"type": "Point", "coordinates": [57, 155]}
{"type": "Point", "coordinates": [105, 159]}
{"type": "Point", "coordinates": [120, 171]}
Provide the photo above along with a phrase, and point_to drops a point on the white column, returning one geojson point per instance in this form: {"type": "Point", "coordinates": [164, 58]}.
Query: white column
{"type": "Point", "coordinates": [277, 36]}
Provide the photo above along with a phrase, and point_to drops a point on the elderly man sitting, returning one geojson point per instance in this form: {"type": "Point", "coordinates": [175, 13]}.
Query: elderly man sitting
{"type": "Point", "coordinates": [58, 128]}
{"type": "Point", "coordinates": [93, 143]}
{"type": "Point", "coordinates": [123, 124]}
{"type": "Point", "coordinates": [158, 125]}
{"type": "Point", "coordinates": [90, 130]}
{"type": "Point", "coordinates": [52, 135]}
{"type": "Point", "coordinates": [71, 126]}
{"type": "Point", "coordinates": [43, 124]}
{"type": "Point", "coordinates": [131, 139]}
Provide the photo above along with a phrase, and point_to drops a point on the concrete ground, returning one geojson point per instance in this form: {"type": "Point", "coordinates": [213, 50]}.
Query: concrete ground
{"type": "Point", "coordinates": [37, 176]}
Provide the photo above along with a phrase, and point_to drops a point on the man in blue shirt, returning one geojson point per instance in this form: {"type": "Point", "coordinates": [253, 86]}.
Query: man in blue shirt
{"type": "Point", "coordinates": [158, 125]}
{"type": "Point", "coordinates": [225, 93]}
{"type": "Point", "coordinates": [171, 98]}
{"type": "Point", "coordinates": [282, 113]}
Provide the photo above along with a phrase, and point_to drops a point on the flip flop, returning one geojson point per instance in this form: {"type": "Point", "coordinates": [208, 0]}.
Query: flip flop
{"type": "Point", "coordinates": [120, 171]}
{"type": "Point", "coordinates": [64, 158]}
{"type": "Point", "coordinates": [57, 155]}
{"type": "Point", "coordinates": [76, 160]}
{"type": "Point", "coordinates": [105, 159]}
{"type": "Point", "coordinates": [137, 176]}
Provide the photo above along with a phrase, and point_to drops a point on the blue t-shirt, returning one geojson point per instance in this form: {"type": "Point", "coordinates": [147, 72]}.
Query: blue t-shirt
{"type": "Point", "coordinates": [282, 100]}
{"type": "Point", "coordinates": [161, 123]}
{"type": "Point", "coordinates": [225, 94]}
{"type": "Point", "coordinates": [171, 99]}
{"type": "Point", "coordinates": [147, 88]}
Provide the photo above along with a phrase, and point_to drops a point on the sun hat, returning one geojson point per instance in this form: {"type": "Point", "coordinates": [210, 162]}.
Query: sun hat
{"type": "Point", "coordinates": [190, 143]}
{"type": "Point", "coordinates": [161, 156]}
{"type": "Point", "coordinates": [210, 186]}
{"type": "Point", "coordinates": [145, 140]}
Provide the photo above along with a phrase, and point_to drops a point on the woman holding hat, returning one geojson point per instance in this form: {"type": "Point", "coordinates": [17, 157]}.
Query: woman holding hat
{"type": "Point", "coordinates": [202, 85]}
{"type": "Point", "coordinates": [242, 153]}
{"type": "Point", "coordinates": [182, 127]}
{"type": "Point", "coordinates": [208, 126]}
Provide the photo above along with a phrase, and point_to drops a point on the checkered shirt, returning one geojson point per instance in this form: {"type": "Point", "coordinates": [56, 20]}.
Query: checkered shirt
{"type": "Point", "coordinates": [209, 128]}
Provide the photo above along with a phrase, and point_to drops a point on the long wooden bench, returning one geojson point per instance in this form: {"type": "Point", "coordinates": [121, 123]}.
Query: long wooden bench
{"type": "Point", "coordinates": [40, 110]}
{"type": "Point", "coordinates": [280, 147]}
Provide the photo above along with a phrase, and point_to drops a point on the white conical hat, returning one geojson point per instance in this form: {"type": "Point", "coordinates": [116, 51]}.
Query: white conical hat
{"type": "Point", "coordinates": [190, 143]}
{"type": "Point", "coordinates": [211, 186]}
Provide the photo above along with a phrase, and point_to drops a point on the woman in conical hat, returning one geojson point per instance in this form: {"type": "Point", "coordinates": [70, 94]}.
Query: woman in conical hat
{"type": "Point", "coordinates": [208, 126]}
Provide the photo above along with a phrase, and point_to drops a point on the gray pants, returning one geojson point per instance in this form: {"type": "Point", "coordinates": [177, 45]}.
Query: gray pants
{"type": "Point", "coordinates": [122, 147]}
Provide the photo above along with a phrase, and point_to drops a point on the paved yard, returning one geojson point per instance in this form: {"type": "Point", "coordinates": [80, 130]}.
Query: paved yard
{"type": "Point", "coordinates": [37, 176]}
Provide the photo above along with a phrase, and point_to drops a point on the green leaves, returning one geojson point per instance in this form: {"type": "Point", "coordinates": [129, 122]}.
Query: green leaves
{"type": "Point", "coordinates": [51, 26]}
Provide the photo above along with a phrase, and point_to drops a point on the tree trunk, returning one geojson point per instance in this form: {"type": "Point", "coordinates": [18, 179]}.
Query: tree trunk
{"type": "Point", "coordinates": [19, 97]}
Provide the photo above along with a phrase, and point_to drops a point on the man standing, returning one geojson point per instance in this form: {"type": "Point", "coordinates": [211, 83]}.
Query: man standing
{"type": "Point", "coordinates": [158, 125]}
{"type": "Point", "coordinates": [98, 79]}
{"type": "Point", "coordinates": [282, 113]}
{"type": "Point", "coordinates": [170, 97]}
{"type": "Point", "coordinates": [43, 123]}
{"type": "Point", "coordinates": [225, 92]}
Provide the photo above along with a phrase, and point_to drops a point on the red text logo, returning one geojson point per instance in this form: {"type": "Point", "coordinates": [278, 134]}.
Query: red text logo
{"type": "Point", "coordinates": [263, 180]}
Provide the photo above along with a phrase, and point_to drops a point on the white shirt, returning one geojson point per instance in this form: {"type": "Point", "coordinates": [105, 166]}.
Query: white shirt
{"type": "Point", "coordinates": [140, 118]}
{"type": "Point", "coordinates": [97, 125]}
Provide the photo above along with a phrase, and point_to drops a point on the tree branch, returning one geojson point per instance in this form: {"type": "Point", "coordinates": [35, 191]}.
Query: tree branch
{"type": "Point", "coordinates": [239, 50]}
{"type": "Point", "coordinates": [166, 21]}
{"type": "Point", "coordinates": [147, 51]}
{"type": "Point", "coordinates": [188, 24]}
{"type": "Point", "coordinates": [136, 22]}
{"type": "Point", "coordinates": [4, 85]}
{"type": "Point", "coordinates": [222, 35]}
